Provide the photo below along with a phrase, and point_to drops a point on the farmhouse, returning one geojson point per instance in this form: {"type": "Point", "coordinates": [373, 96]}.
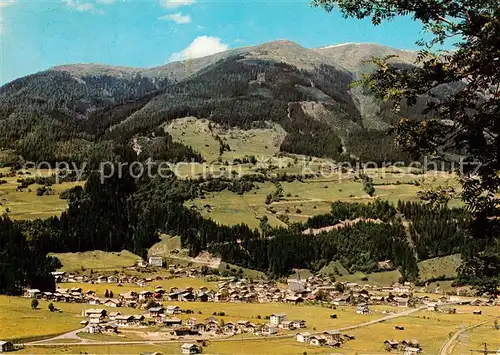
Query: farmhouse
{"type": "Point", "coordinates": [172, 322]}
{"type": "Point", "coordinates": [95, 318]}
{"type": "Point", "coordinates": [190, 349]}
{"type": "Point", "coordinates": [401, 301]}
{"type": "Point", "coordinates": [294, 299]}
{"type": "Point", "coordinates": [6, 346]}
{"type": "Point", "coordinates": [124, 320]}
{"type": "Point", "coordinates": [173, 310]}
{"type": "Point", "coordinates": [333, 337]}
{"type": "Point", "coordinates": [112, 302]}
{"type": "Point", "coordinates": [90, 311]}
{"type": "Point", "coordinates": [411, 350]}
{"type": "Point", "coordinates": [113, 279]}
{"type": "Point", "coordinates": [94, 301]}
{"type": "Point", "coordinates": [144, 295]}
{"type": "Point", "coordinates": [362, 309]}
{"type": "Point", "coordinates": [112, 316]}
{"type": "Point", "coordinates": [317, 340]}
{"type": "Point", "coordinates": [138, 319]}
{"type": "Point", "coordinates": [142, 263]}
{"type": "Point", "coordinates": [211, 325]}
{"type": "Point", "coordinates": [33, 293]}
{"type": "Point", "coordinates": [412, 343]}
{"type": "Point", "coordinates": [268, 329]}
{"type": "Point", "coordinates": [155, 311]}
{"type": "Point", "coordinates": [342, 300]}
{"type": "Point", "coordinates": [288, 325]}
{"type": "Point", "coordinates": [303, 337]}
{"type": "Point", "coordinates": [391, 344]}
{"type": "Point", "coordinates": [432, 306]}
{"type": "Point", "coordinates": [102, 279]}
{"type": "Point", "coordinates": [243, 323]}
{"type": "Point", "coordinates": [229, 327]}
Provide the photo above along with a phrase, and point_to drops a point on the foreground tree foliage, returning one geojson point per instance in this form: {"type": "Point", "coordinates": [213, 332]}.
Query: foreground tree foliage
{"type": "Point", "coordinates": [464, 124]}
{"type": "Point", "coordinates": [22, 264]}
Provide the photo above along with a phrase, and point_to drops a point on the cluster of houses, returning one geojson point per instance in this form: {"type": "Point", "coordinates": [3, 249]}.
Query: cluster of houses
{"type": "Point", "coordinates": [408, 347]}
{"type": "Point", "coordinates": [154, 262]}
{"type": "Point", "coordinates": [312, 289]}
{"type": "Point", "coordinates": [331, 338]}
{"type": "Point", "coordinates": [99, 321]}
{"type": "Point", "coordinates": [186, 348]}
{"type": "Point", "coordinates": [316, 288]}
{"type": "Point", "coordinates": [127, 299]}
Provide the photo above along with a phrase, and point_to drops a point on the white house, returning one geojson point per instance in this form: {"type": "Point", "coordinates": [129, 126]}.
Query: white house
{"type": "Point", "coordinates": [157, 261]}
{"type": "Point", "coordinates": [277, 318]}
{"type": "Point", "coordinates": [188, 348]}
{"type": "Point", "coordinates": [33, 293]}
{"type": "Point", "coordinates": [173, 310]}
{"type": "Point", "coordinates": [95, 318]}
{"type": "Point", "coordinates": [303, 337]}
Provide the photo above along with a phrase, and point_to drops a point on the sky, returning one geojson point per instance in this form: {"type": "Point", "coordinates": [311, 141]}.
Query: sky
{"type": "Point", "coordinates": [36, 35]}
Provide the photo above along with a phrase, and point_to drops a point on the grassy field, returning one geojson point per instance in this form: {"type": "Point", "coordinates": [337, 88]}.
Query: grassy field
{"type": "Point", "coordinates": [257, 142]}
{"type": "Point", "coordinates": [312, 197]}
{"type": "Point", "coordinates": [428, 269]}
{"type": "Point", "coordinates": [229, 208]}
{"type": "Point", "coordinates": [316, 317]}
{"type": "Point", "coordinates": [173, 348]}
{"type": "Point", "coordinates": [247, 273]}
{"type": "Point", "coordinates": [166, 244]}
{"type": "Point", "coordinates": [431, 329]}
{"type": "Point", "coordinates": [251, 347]}
{"type": "Point", "coordinates": [197, 134]}
{"type": "Point", "coordinates": [27, 205]}
{"type": "Point", "coordinates": [18, 320]}
{"type": "Point", "coordinates": [96, 260]}
{"type": "Point", "coordinates": [432, 268]}
{"type": "Point", "coordinates": [475, 339]}
{"type": "Point", "coordinates": [201, 135]}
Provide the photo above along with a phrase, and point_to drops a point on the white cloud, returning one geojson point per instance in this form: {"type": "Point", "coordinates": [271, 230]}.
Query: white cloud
{"type": "Point", "coordinates": [172, 4]}
{"type": "Point", "coordinates": [5, 3]}
{"type": "Point", "coordinates": [86, 6]}
{"type": "Point", "coordinates": [178, 18]}
{"type": "Point", "coordinates": [82, 6]}
{"type": "Point", "coordinates": [200, 47]}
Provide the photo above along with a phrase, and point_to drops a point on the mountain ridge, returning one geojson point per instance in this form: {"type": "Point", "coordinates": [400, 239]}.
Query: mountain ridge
{"type": "Point", "coordinates": [306, 91]}
{"type": "Point", "coordinates": [71, 67]}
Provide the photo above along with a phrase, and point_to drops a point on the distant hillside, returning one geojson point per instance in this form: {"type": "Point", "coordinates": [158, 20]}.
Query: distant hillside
{"type": "Point", "coordinates": [83, 111]}
{"type": "Point", "coordinates": [353, 55]}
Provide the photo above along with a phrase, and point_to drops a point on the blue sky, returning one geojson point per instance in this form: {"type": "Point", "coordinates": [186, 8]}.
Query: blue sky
{"type": "Point", "coordinates": [36, 35]}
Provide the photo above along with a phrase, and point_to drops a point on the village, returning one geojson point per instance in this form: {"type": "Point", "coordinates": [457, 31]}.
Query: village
{"type": "Point", "coordinates": [158, 307]}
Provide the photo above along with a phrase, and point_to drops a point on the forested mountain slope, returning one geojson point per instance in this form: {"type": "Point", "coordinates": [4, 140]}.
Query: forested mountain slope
{"type": "Point", "coordinates": [80, 111]}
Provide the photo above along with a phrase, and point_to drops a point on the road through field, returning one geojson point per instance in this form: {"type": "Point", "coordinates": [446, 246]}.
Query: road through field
{"type": "Point", "coordinates": [449, 345]}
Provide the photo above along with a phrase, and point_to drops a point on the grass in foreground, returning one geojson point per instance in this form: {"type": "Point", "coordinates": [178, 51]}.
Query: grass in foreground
{"type": "Point", "coordinates": [18, 320]}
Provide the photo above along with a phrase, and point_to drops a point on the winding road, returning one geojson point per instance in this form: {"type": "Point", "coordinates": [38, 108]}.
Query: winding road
{"type": "Point", "coordinates": [449, 345]}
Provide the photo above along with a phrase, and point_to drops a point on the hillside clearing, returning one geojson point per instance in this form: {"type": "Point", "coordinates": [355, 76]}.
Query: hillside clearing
{"type": "Point", "coordinates": [96, 260]}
